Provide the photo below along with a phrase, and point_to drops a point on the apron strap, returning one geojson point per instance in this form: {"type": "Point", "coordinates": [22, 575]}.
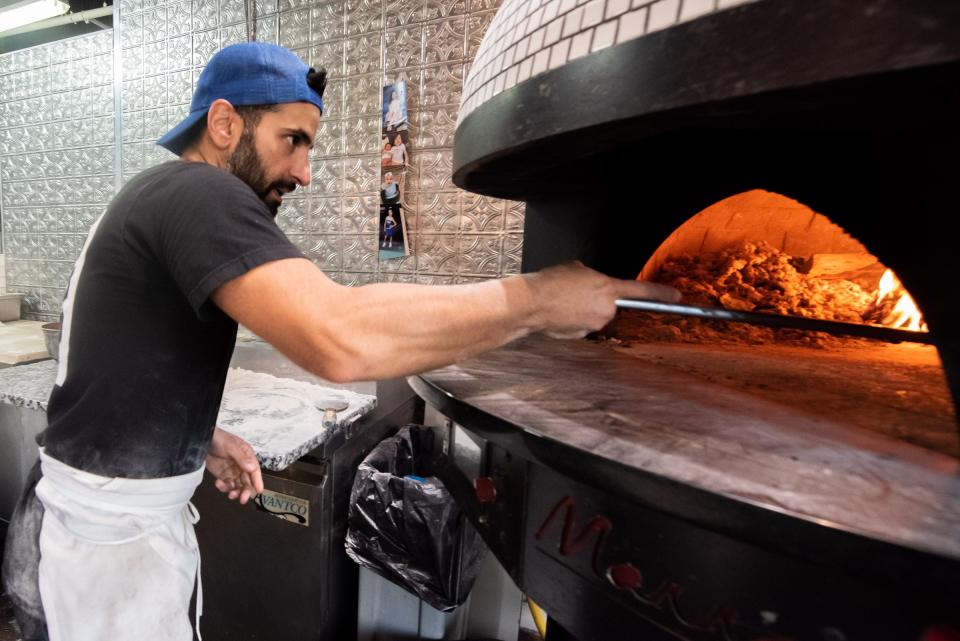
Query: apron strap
{"type": "Point", "coordinates": [193, 515]}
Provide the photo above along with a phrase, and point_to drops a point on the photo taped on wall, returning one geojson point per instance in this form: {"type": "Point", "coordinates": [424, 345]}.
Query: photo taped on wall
{"type": "Point", "coordinates": [393, 228]}
{"type": "Point", "coordinates": [395, 116]}
{"type": "Point", "coordinates": [395, 149]}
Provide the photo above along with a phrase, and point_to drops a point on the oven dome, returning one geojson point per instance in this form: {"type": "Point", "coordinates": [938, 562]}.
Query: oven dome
{"type": "Point", "coordinates": [528, 37]}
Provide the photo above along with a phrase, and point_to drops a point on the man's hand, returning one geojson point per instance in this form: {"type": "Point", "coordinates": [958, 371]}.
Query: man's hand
{"type": "Point", "coordinates": [233, 463]}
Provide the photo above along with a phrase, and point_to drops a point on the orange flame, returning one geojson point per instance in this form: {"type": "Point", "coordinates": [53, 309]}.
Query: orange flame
{"type": "Point", "coordinates": [903, 311]}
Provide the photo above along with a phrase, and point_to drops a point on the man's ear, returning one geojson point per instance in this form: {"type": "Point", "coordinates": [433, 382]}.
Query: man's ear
{"type": "Point", "coordinates": [224, 125]}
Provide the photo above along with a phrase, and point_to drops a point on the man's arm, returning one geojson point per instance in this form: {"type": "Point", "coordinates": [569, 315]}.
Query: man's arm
{"type": "Point", "coordinates": [391, 329]}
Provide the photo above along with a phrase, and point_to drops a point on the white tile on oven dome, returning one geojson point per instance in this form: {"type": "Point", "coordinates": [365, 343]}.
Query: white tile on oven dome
{"type": "Point", "coordinates": [695, 8]}
{"type": "Point", "coordinates": [604, 35]}
{"type": "Point", "coordinates": [559, 53]}
{"type": "Point", "coordinates": [551, 10]}
{"type": "Point", "coordinates": [592, 14]}
{"type": "Point", "coordinates": [540, 62]}
{"type": "Point", "coordinates": [522, 29]}
{"type": "Point", "coordinates": [632, 25]}
{"type": "Point", "coordinates": [663, 14]}
{"type": "Point", "coordinates": [526, 68]}
{"type": "Point", "coordinates": [552, 35]}
{"type": "Point", "coordinates": [567, 5]}
{"type": "Point", "coordinates": [572, 21]}
{"type": "Point", "coordinates": [580, 45]}
{"type": "Point", "coordinates": [615, 8]}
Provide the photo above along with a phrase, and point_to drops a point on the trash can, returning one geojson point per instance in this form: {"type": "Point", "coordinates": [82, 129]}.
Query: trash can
{"type": "Point", "coordinates": [405, 528]}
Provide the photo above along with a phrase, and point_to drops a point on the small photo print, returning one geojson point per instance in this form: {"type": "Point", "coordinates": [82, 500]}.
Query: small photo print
{"type": "Point", "coordinates": [395, 107]}
{"type": "Point", "coordinates": [393, 228]}
{"type": "Point", "coordinates": [395, 149]}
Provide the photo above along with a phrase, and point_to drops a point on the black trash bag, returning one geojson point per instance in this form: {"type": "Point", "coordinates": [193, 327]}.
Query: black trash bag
{"type": "Point", "coordinates": [409, 530]}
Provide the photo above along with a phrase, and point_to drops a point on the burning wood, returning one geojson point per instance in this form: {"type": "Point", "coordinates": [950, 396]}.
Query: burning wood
{"type": "Point", "coordinates": [893, 306]}
{"type": "Point", "coordinates": [758, 277]}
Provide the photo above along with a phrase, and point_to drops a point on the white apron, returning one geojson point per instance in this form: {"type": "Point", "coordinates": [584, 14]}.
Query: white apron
{"type": "Point", "coordinates": [118, 557]}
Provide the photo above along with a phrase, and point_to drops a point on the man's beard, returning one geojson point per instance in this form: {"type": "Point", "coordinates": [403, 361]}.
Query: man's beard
{"type": "Point", "coordinates": [245, 164]}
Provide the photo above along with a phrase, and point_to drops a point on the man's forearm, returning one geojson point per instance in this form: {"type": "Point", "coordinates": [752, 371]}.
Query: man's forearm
{"type": "Point", "coordinates": [387, 330]}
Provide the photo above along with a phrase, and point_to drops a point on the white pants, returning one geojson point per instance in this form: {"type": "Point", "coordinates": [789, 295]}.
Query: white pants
{"type": "Point", "coordinates": [118, 557]}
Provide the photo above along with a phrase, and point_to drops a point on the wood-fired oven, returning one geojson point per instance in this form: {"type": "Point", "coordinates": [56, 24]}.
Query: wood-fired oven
{"type": "Point", "coordinates": [641, 485]}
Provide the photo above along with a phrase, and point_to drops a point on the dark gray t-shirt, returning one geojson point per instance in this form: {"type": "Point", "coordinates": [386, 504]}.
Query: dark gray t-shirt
{"type": "Point", "coordinates": [144, 351]}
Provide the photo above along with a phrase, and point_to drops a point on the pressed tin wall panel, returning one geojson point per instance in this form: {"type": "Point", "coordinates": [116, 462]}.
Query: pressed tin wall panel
{"type": "Point", "coordinates": [57, 147]}
{"type": "Point", "coordinates": [56, 161]}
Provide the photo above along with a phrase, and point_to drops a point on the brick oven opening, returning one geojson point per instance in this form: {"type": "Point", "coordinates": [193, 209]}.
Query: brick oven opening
{"type": "Point", "coordinates": [760, 251]}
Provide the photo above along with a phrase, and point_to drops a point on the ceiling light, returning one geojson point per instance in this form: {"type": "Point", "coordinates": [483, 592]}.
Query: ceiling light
{"type": "Point", "coordinates": [27, 11]}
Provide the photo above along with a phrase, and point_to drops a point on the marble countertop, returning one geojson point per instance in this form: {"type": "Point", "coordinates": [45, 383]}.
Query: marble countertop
{"type": "Point", "coordinates": [277, 415]}
{"type": "Point", "coordinates": [28, 385]}
{"type": "Point", "coordinates": [282, 418]}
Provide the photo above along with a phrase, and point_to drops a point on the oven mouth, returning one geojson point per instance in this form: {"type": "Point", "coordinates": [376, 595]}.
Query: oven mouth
{"type": "Point", "coordinates": [764, 256]}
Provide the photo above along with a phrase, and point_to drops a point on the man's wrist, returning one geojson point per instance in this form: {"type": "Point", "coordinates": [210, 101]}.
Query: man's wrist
{"type": "Point", "coordinates": [523, 301]}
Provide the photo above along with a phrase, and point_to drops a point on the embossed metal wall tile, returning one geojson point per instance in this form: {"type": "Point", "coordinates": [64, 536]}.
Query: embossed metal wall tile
{"type": "Point", "coordinates": [295, 28]}
{"type": "Point", "coordinates": [362, 94]}
{"type": "Point", "coordinates": [444, 8]}
{"type": "Point", "coordinates": [326, 250]}
{"type": "Point", "coordinates": [325, 214]}
{"type": "Point", "coordinates": [330, 138]}
{"type": "Point", "coordinates": [480, 254]}
{"type": "Point", "coordinates": [441, 85]}
{"type": "Point", "coordinates": [481, 213]}
{"type": "Point", "coordinates": [404, 47]}
{"type": "Point", "coordinates": [437, 253]}
{"type": "Point", "coordinates": [512, 252]}
{"type": "Point", "coordinates": [364, 54]}
{"type": "Point", "coordinates": [205, 15]}
{"type": "Point", "coordinates": [403, 12]}
{"type": "Point", "coordinates": [57, 146]}
{"type": "Point", "coordinates": [361, 175]}
{"type": "Point", "coordinates": [436, 169]}
{"type": "Point", "coordinates": [435, 279]}
{"type": "Point", "coordinates": [437, 212]}
{"type": "Point", "coordinates": [360, 214]}
{"type": "Point", "coordinates": [330, 56]}
{"type": "Point", "coordinates": [328, 20]}
{"type": "Point", "coordinates": [445, 39]}
{"type": "Point", "coordinates": [333, 97]}
{"type": "Point", "coordinates": [434, 128]}
{"type": "Point", "coordinates": [327, 178]}
{"type": "Point", "coordinates": [268, 29]}
{"type": "Point", "coordinates": [360, 252]}
{"type": "Point", "coordinates": [364, 16]}
{"type": "Point", "coordinates": [56, 160]}
{"type": "Point", "coordinates": [356, 279]}
{"type": "Point", "coordinates": [362, 135]}
{"type": "Point", "coordinates": [477, 24]}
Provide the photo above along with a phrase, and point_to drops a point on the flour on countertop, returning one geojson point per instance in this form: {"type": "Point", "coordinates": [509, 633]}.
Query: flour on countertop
{"type": "Point", "coordinates": [282, 418]}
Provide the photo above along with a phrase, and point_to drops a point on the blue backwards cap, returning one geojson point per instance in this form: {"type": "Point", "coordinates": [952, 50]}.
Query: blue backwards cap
{"type": "Point", "coordinates": [249, 73]}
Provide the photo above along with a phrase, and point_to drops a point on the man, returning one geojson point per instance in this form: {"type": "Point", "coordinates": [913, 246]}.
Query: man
{"type": "Point", "coordinates": [101, 546]}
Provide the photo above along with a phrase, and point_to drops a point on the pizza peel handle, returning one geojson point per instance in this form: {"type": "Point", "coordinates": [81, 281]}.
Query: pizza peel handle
{"type": "Point", "coordinates": [876, 332]}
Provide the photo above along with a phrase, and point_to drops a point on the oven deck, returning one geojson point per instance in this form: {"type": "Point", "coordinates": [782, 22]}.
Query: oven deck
{"type": "Point", "coordinates": [727, 493]}
{"type": "Point", "coordinates": [898, 391]}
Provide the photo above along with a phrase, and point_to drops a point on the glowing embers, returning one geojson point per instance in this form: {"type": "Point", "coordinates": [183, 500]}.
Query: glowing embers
{"type": "Point", "coordinates": [762, 252]}
{"type": "Point", "coordinates": [894, 306]}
